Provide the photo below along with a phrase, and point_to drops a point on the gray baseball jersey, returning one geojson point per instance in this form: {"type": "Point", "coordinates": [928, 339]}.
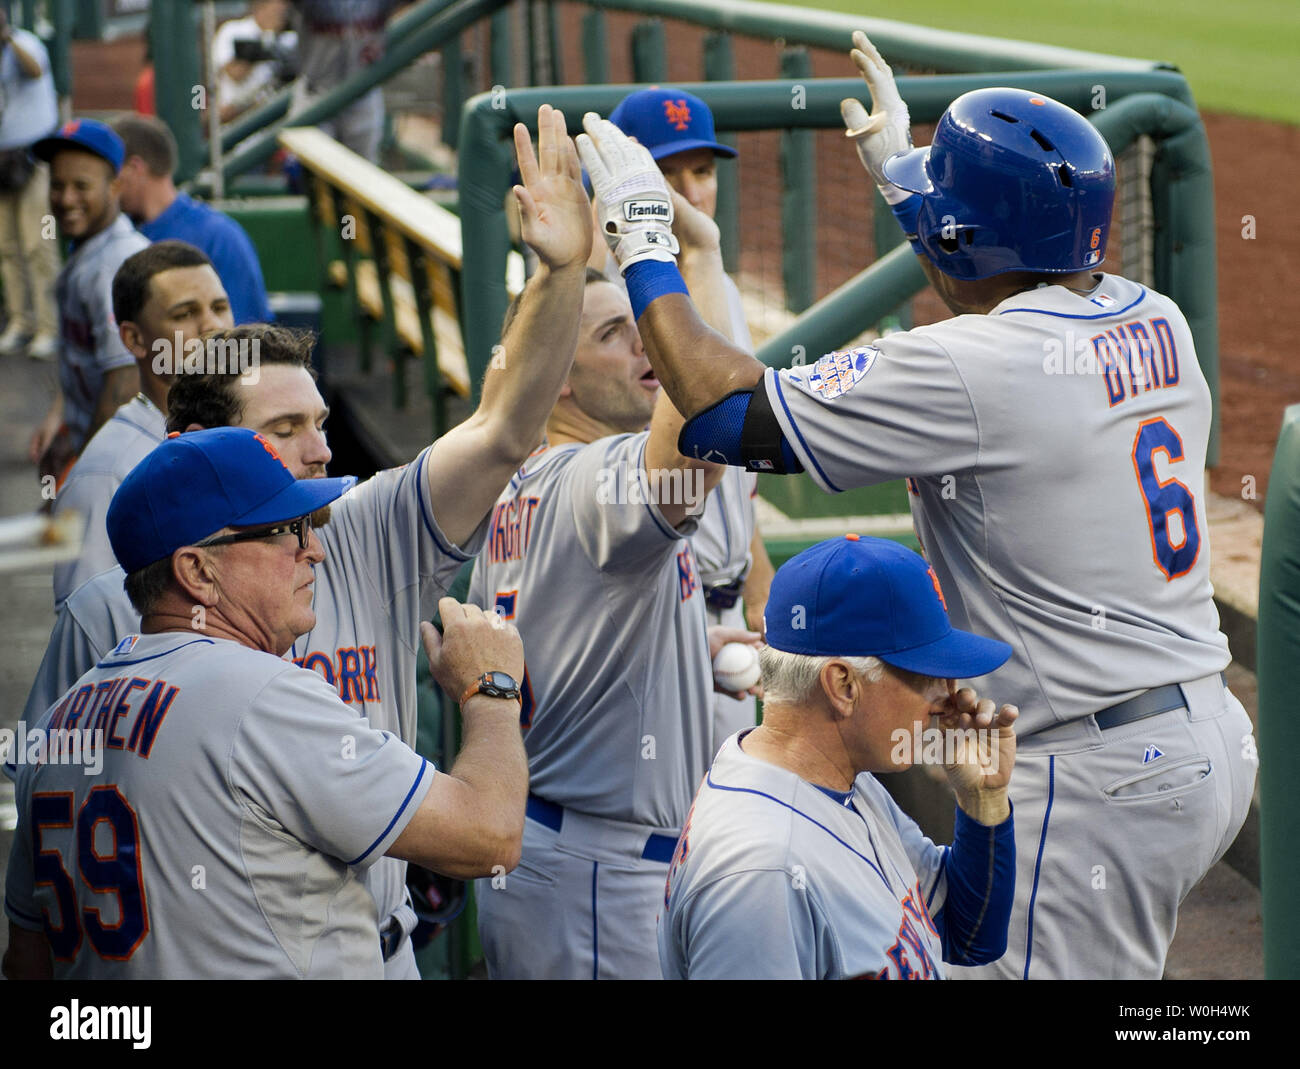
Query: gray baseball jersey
{"type": "Point", "coordinates": [775, 878]}
{"type": "Point", "coordinates": [118, 446]}
{"type": "Point", "coordinates": [90, 345]}
{"type": "Point", "coordinates": [237, 802]}
{"type": "Point", "coordinates": [86, 627]}
{"type": "Point", "coordinates": [615, 710]}
{"type": "Point", "coordinates": [1057, 448]}
{"type": "Point", "coordinates": [386, 564]}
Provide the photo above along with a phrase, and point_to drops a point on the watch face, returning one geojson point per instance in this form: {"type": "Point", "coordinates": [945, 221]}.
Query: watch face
{"type": "Point", "coordinates": [500, 682]}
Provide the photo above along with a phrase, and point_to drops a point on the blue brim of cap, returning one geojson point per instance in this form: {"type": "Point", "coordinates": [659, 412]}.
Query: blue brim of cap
{"type": "Point", "coordinates": [303, 497]}
{"type": "Point", "coordinates": [671, 148]}
{"type": "Point", "coordinates": [958, 655]}
{"type": "Point", "coordinates": [48, 147]}
{"type": "Point", "coordinates": [907, 170]}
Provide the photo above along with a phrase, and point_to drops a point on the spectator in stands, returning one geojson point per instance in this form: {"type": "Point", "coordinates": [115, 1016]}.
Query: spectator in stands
{"type": "Point", "coordinates": [164, 297]}
{"type": "Point", "coordinates": [241, 82]}
{"type": "Point", "coordinates": [96, 371]}
{"type": "Point", "coordinates": [339, 38]}
{"type": "Point", "coordinates": [150, 197]}
{"type": "Point", "coordinates": [29, 110]}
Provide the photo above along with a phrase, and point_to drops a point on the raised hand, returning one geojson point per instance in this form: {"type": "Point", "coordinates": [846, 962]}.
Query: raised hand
{"type": "Point", "coordinates": [555, 218]}
{"type": "Point", "coordinates": [887, 131]}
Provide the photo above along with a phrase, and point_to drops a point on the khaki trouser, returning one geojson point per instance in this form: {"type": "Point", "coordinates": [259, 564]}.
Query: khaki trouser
{"type": "Point", "coordinates": [28, 259]}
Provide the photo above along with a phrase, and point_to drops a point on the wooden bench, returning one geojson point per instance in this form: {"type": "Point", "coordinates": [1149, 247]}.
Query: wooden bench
{"type": "Point", "coordinates": [402, 261]}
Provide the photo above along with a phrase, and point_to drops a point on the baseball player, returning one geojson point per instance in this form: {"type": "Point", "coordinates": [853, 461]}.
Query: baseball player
{"type": "Point", "coordinates": [677, 129]}
{"type": "Point", "coordinates": [794, 862]}
{"type": "Point", "coordinates": [587, 554]}
{"type": "Point", "coordinates": [237, 801]}
{"type": "Point", "coordinates": [164, 297]}
{"type": "Point", "coordinates": [396, 542]}
{"type": "Point", "coordinates": [96, 371]}
{"type": "Point", "coordinates": [1055, 432]}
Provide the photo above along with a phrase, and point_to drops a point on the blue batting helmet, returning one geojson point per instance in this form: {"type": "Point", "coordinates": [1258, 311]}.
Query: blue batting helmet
{"type": "Point", "coordinates": [1013, 181]}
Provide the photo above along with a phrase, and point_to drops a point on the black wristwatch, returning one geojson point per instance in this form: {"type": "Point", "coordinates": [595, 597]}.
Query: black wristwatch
{"type": "Point", "coordinates": [494, 685]}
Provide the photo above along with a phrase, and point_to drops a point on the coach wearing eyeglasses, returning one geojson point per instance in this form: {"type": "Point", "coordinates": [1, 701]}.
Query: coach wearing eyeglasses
{"type": "Point", "coordinates": [235, 802]}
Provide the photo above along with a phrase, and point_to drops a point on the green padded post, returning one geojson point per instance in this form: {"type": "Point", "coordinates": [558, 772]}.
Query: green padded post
{"type": "Point", "coordinates": [648, 52]}
{"type": "Point", "coordinates": [798, 192]}
{"type": "Point", "coordinates": [1279, 728]}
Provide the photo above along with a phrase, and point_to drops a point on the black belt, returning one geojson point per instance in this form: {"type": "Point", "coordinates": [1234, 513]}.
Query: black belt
{"type": "Point", "coordinates": [723, 597]}
{"type": "Point", "coordinates": [1148, 703]}
{"type": "Point", "coordinates": [390, 939]}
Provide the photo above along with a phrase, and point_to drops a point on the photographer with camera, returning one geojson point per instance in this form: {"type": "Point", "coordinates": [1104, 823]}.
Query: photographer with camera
{"type": "Point", "coordinates": [253, 56]}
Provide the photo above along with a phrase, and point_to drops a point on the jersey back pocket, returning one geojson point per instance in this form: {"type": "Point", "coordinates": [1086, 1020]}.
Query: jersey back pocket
{"type": "Point", "coordinates": [1165, 781]}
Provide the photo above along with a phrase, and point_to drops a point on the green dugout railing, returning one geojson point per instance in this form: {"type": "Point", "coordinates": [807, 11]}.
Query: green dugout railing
{"type": "Point", "coordinates": [1157, 103]}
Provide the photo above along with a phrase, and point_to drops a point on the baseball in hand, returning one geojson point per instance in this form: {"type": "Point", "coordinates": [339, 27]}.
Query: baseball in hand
{"type": "Point", "coordinates": [735, 668]}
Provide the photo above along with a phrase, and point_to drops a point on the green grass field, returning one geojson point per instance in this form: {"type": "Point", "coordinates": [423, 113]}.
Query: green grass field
{"type": "Point", "coordinates": [1238, 57]}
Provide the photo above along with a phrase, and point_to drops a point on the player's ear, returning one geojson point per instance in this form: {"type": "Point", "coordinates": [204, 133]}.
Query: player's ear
{"type": "Point", "coordinates": [133, 338]}
{"type": "Point", "coordinates": [193, 571]}
{"type": "Point", "coordinates": [841, 687]}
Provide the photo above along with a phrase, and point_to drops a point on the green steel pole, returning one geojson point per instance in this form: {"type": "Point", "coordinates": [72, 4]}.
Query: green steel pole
{"type": "Point", "coordinates": [845, 313]}
{"type": "Point", "coordinates": [499, 60]}
{"type": "Point", "coordinates": [61, 13]}
{"type": "Point", "coordinates": [453, 86]}
{"type": "Point", "coordinates": [720, 66]}
{"type": "Point", "coordinates": [173, 37]}
{"type": "Point", "coordinates": [595, 48]}
{"type": "Point", "coordinates": [648, 52]}
{"type": "Point", "coordinates": [798, 192]}
{"type": "Point", "coordinates": [1279, 729]}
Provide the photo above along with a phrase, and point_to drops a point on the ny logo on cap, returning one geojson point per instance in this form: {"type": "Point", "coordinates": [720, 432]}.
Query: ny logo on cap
{"type": "Point", "coordinates": [677, 113]}
{"type": "Point", "coordinates": [271, 449]}
{"type": "Point", "coordinates": [937, 589]}
{"type": "Point", "coordinates": [70, 127]}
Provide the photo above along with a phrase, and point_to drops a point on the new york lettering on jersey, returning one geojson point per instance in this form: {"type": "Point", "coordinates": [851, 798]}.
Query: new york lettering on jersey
{"type": "Point", "coordinates": [354, 670]}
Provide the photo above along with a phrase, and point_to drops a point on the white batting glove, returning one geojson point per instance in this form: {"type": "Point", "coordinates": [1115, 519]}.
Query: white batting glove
{"type": "Point", "coordinates": [632, 200]}
{"type": "Point", "coordinates": [887, 131]}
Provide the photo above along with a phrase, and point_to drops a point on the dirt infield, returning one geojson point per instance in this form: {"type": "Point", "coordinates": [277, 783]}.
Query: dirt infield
{"type": "Point", "coordinates": [1259, 374]}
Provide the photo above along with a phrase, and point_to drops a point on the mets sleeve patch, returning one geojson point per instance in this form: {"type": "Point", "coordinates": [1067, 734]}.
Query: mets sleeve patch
{"type": "Point", "coordinates": [836, 374]}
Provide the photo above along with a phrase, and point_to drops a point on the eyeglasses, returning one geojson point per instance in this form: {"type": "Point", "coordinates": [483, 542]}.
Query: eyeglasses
{"type": "Point", "coordinates": [301, 527]}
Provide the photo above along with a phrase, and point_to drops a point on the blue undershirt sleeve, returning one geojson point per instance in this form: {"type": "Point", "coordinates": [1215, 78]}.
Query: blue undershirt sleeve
{"type": "Point", "coordinates": [981, 872]}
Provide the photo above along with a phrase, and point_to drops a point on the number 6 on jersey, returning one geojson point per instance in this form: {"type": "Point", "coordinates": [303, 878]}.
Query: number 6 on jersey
{"type": "Point", "coordinates": [1164, 499]}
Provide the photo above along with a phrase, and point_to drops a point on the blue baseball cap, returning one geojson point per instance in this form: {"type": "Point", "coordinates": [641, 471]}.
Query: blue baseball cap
{"type": "Point", "coordinates": [668, 121]}
{"type": "Point", "coordinates": [195, 484]}
{"type": "Point", "coordinates": [870, 597]}
{"type": "Point", "coordinates": [89, 135]}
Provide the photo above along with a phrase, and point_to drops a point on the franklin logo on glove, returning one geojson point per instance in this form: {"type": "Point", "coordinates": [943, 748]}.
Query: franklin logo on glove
{"type": "Point", "coordinates": [647, 209]}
